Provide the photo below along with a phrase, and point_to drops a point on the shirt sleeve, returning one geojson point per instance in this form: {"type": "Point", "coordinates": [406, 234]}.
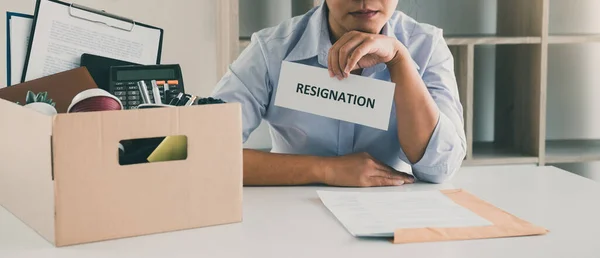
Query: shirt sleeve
{"type": "Point", "coordinates": [447, 146]}
{"type": "Point", "coordinates": [247, 82]}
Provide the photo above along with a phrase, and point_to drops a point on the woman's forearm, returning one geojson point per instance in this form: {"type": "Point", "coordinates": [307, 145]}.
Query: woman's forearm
{"type": "Point", "coordinates": [416, 112]}
{"type": "Point", "coordinates": [263, 168]}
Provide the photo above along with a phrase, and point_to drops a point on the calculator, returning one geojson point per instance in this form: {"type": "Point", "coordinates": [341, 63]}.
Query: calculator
{"type": "Point", "coordinates": [123, 83]}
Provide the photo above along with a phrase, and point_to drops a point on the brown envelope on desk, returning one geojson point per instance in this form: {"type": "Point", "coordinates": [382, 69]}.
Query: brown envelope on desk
{"type": "Point", "coordinates": [61, 87]}
{"type": "Point", "coordinates": [505, 224]}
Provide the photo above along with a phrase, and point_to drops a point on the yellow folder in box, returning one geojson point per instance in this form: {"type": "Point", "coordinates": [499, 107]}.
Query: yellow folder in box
{"type": "Point", "coordinates": [171, 148]}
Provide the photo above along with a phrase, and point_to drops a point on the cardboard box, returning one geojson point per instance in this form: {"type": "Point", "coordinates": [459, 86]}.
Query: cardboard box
{"type": "Point", "coordinates": [61, 175]}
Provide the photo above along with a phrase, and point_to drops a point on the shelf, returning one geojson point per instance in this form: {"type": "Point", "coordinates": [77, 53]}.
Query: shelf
{"type": "Point", "coordinates": [572, 151]}
{"type": "Point", "coordinates": [573, 38]}
{"type": "Point", "coordinates": [488, 153]}
{"type": "Point", "coordinates": [244, 44]}
{"type": "Point", "coordinates": [457, 40]}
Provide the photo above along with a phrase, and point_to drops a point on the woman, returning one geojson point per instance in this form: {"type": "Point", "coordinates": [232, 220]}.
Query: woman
{"type": "Point", "coordinates": [368, 38]}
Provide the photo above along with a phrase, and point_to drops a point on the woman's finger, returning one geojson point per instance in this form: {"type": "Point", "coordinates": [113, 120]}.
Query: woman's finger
{"type": "Point", "coordinates": [385, 181]}
{"type": "Point", "coordinates": [346, 50]}
{"type": "Point", "coordinates": [333, 58]}
{"type": "Point", "coordinates": [387, 171]}
{"type": "Point", "coordinates": [365, 48]}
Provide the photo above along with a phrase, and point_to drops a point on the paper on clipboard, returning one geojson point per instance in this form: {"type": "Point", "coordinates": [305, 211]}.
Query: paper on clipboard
{"type": "Point", "coordinates": [19, 29]}
{"type": "Point", "coordinates": [63, 32]}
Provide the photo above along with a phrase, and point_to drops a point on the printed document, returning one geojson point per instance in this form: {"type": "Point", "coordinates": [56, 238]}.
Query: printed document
{"type": "Point", "coordinates": [379, 214]}
{"type": "Point", "coordinates": [20, 28]}
{"type": "Point", "coordinates": [355, 99]}
{"type": "Point", "coordinates": [62, 34]}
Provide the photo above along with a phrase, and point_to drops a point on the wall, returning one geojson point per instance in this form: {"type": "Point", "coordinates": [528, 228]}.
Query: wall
{"type": "Point", "coordinates": [573, 82]}
{"type": "Point", "coordinates": [258, 14]}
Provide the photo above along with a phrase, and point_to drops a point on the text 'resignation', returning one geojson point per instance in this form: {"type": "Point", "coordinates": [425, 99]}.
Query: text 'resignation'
{"type": "Point", "coordinates": [335, 95]}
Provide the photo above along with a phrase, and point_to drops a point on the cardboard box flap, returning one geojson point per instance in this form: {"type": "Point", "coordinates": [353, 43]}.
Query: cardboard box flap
{"type": "Point", "coordinates": [26, 187]}
{"type": "Point", "coordinates": [16, 115]}
{"type": "Point", "coordinates": [61, 87]}
{"type": "Point", "coordinates": [151, 197]}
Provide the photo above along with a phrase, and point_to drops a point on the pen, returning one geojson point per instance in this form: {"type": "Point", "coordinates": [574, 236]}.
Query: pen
{"type": "Point", "coordinates": [191, 101]}
{"type": "Point", "coordinates": [183, 101]}
{"type": "Point", "coordinates": [144, 92]}
{"type": "Point", "coordinates": [175, 100]}
{"type": "Point", "coordinates": [166, 88]}
{"type": "Point", "coordinates": [156, 93]}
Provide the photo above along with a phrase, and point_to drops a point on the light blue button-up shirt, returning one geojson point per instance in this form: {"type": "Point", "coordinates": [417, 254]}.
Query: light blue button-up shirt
{"type": "Point", "coordinates": [252, 81]}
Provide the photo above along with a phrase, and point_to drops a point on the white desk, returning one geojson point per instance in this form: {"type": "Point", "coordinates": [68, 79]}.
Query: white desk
{"type": "Point", "coordinates": [292, 222]}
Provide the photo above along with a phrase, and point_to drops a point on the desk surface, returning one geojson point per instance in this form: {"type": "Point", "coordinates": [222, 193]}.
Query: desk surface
{"type": "Point", "coordinates": [292, 222]}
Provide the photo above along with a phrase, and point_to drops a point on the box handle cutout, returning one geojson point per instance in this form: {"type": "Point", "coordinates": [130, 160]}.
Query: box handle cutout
{"type": "Point", "coordinates": [152, 150]}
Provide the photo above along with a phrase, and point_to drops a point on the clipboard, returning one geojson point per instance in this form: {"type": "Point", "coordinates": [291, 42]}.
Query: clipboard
{"type": "Point", "coordinates": [85, 14]}
{"type": "Point", "coordinates": [9, 16]}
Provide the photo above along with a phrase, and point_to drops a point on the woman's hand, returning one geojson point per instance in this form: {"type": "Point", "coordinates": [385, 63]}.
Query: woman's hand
{"type": "Point", "coordinates": [358, 50]}
{"type": "Point", "coordinates": [361, 170]}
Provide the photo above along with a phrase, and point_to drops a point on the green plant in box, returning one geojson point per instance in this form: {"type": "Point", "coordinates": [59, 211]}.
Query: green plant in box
{"type": "Point", "coordinates": [40, 102]}
{"type": "Point", "coordinates": [40, 97]}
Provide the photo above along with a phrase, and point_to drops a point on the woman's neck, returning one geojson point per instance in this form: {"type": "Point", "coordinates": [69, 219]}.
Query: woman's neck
{"type": "Point", "coordinates": [336, 31]}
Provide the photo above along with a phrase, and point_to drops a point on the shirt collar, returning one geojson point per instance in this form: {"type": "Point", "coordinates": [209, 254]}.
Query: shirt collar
{"type": "Point", "coordinates": [315, 41]}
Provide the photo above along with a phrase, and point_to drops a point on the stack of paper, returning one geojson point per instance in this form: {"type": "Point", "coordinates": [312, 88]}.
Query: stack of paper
{"type": "Point", "coordinates": [18, 39]}
{"type": "Point", "coordinates": [379, 214]}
